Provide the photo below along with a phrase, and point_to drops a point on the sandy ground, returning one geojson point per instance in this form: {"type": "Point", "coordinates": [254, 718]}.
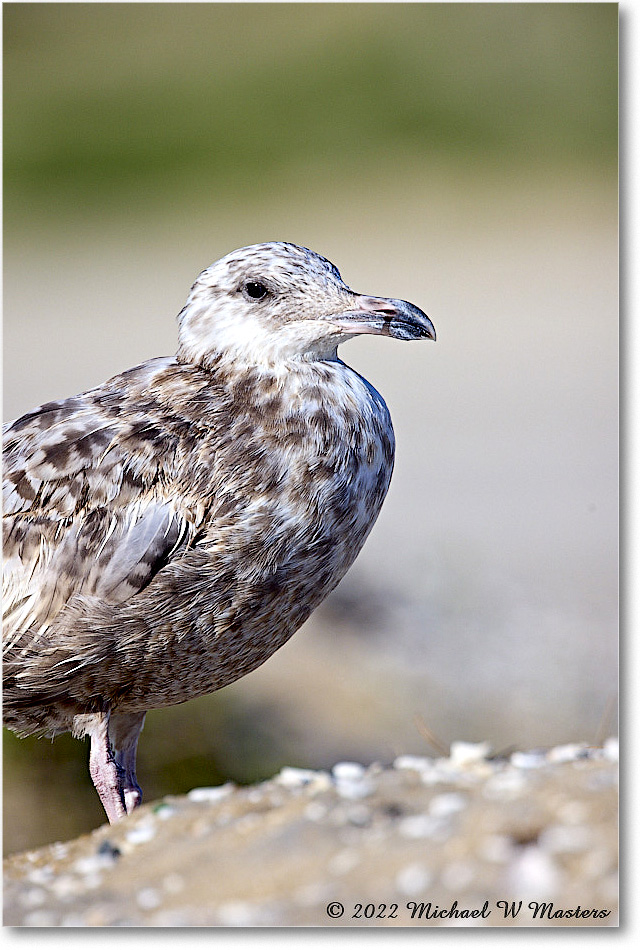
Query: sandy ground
{"type": "Point", "coordinates": [465, 840]}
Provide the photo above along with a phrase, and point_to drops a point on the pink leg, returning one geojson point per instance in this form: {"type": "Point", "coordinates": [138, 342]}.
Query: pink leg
{"type": "Point", "coordinates": [103, 769]}
{"type": "Point", "coordinates": [112, 762]}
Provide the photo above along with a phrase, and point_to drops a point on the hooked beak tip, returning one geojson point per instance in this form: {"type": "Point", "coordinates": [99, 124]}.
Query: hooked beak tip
{"type": "Point", "coordinates": [392, 317]}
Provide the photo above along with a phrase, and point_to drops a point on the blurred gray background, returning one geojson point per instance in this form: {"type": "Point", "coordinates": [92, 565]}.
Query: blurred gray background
{"type": "Point", "coordinates": [462, 156]}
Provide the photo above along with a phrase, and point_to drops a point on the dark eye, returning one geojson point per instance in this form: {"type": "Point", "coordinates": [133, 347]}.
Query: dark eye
{"type": "Point", "coordinates": [255, 289]}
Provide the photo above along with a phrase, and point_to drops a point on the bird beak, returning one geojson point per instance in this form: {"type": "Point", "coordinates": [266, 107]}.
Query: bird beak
{"type": "Point", "coordinates": [388, 317]}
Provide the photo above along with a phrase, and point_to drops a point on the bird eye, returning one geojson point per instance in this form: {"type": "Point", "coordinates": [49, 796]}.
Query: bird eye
{"type": "Point", "coordinates": [255, 289]}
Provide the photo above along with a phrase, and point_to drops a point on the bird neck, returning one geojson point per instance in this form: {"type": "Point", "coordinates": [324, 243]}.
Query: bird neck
{"type": "Point", "coordinates": [276, 367]}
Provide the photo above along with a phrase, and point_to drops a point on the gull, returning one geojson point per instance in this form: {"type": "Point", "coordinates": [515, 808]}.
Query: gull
{"type": "Point", "coordinates": [167, 531]}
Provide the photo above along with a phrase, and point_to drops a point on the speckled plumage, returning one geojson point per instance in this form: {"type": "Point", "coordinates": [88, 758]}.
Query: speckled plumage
{"type": "Point", "coordinates": [169, 530]}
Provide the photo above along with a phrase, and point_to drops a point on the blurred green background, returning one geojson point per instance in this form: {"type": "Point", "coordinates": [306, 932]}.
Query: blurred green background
{"type": "Point", "coordinates": [463, 156]}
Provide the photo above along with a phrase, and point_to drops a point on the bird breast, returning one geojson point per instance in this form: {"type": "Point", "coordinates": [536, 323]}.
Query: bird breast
{"type": "Point", "coordinates": [300, 477]}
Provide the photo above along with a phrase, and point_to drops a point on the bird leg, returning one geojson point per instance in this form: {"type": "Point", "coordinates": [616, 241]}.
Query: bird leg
{"type": "Point", "coordinates": [104, 770]}
{"type": "Point", "coordinates": [112, 761]}
{"type": "Point", "coordinates": [124, 730]}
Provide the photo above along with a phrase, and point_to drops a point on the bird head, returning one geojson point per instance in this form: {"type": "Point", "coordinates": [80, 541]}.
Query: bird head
{"type": "Point", "coordinates": [271, 303]}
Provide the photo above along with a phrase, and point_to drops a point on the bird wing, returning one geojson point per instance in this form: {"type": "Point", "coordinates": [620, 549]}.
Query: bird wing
{"type": "Point", "coordinates": [88, 508]}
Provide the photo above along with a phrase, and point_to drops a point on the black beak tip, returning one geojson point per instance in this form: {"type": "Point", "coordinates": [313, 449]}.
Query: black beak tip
{"type": "Point", "coordinates": [412, 323]}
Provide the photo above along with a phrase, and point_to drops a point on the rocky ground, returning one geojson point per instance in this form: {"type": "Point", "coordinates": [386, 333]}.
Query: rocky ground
{"type": "Point", "coordinates": [468, 840]}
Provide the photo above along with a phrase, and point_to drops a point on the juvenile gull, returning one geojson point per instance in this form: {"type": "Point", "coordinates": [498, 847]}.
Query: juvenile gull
{"type": "Point", "coordinates": [169, 530]}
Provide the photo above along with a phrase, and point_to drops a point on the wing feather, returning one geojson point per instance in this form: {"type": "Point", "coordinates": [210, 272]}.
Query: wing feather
{"type": "Point", "coordinates": [88, 509]}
